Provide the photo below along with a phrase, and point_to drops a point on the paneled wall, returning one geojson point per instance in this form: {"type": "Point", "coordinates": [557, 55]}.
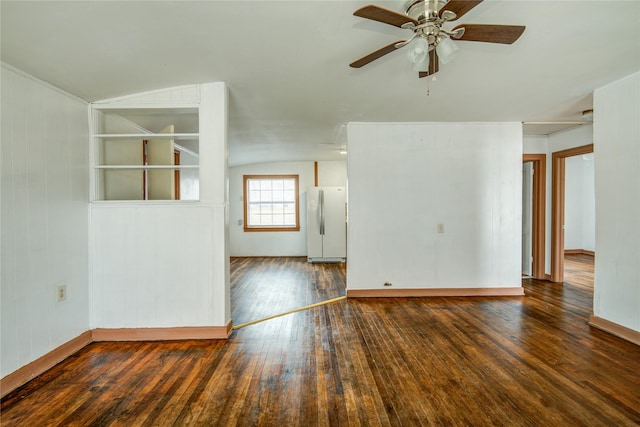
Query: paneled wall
{"type": "Point", "coordinates": [152, 266]}
{"type": "Point", "coordinates": [44, 219]}
{"type": "Point", "coordinates": [617, 175]}
{"type": "Point", "coordinates": [434, 205]}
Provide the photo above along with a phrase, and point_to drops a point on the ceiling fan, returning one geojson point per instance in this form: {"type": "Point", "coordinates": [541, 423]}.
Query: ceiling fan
{"type": "Point", "coordinates": [430, 42]}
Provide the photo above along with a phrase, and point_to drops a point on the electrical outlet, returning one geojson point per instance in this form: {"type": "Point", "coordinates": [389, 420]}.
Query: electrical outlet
{"type": "Point", "coordinates": [387, 283]}
{"type": "Point", "coordinates": [62, 293]}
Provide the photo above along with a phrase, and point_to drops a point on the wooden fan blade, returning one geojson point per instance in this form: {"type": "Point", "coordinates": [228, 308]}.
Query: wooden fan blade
{"type": "Point", "coordinates": [505, 34]}
{"type": "Point", "coordinates": [375, 55]}
{"type": "Point", "coordinates": [433, 65]}
{"type": "Point", "coordinates": [386, 16]}
{"type": "Point", "coordinates": [459, 7]}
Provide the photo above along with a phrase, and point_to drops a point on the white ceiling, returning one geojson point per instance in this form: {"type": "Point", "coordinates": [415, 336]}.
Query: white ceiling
{"type": "Point", "coordinates": [286, 63]}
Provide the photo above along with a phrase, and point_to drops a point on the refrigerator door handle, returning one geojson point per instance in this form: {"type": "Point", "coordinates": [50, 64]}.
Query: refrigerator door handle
{"type": "Point", "coordinates": [321, 210]}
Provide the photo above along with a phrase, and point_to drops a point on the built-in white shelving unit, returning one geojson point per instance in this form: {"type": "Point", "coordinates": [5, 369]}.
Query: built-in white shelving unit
{"type": "Point", "coordinates": [145, 152]}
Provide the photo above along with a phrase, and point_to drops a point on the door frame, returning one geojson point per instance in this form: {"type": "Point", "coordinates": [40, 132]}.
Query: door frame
{"type": "Point", "coordinates": [538, 227]}
{"type": "Point", "coordinates": [557, 207]}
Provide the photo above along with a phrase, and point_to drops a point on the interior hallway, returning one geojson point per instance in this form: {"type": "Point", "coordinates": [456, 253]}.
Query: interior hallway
{"type": "Point", "coordinates": [513, 361]}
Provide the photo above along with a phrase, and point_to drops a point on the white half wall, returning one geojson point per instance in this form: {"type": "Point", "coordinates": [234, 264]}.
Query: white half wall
{"type": "Point", "coordinates": [44, 199]}
{"type": "Point", "coordinates": [617, 177]}
{"type": "Point", "coordinates": [277, 243]}
{"type": "Point", "coordinates": [166, 263]}
{"type": "Point", "coordinates": [407, 178]}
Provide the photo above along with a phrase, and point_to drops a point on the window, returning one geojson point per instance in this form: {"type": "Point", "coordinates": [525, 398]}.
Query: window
{"type": "Point", "coordinates": [271, 203]}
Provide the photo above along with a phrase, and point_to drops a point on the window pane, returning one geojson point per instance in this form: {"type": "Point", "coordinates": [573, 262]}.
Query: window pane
{"type": "Point", "coordinates": [267, 209]}
{"type": "Point", "coordinates": [266, 219]}
{"type": "Point", "coordinates": [289, 196]}
{"type": "Point", "coordinates": [290, 219]}
{"type": "Point", "coordinates": [254, 209]}
{"type": "Point", "coordinates": [266, 196]}
{"type": "Point", "coordinates": [290, 184]}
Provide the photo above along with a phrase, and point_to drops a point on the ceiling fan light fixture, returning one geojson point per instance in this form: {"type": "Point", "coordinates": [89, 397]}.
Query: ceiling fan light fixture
{"type": "Point", "coordinates": [418, 54]}
{"type": "Point", "coordinates": [446, 50]}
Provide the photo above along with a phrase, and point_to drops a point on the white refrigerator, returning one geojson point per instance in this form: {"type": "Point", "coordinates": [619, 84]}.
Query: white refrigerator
{"type": "Point", "coordinates": [326, 224]}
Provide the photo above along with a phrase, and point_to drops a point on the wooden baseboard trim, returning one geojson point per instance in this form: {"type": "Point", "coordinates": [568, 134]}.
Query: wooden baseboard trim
{"type": "Point", "coordinates": [267, 256]}
{"type": "Point", "coordinates": [435, 292]}
{"type": "Point", "coordinates": [579, 252]}
{"type": "Point", "coordinates": [615, 329]}
{"type": "Point", "coordinates": [31, 370]}
{"type": "Point", "coordinates": [163, 334]}
{"type": "Point", "coordinates": [43, 363]}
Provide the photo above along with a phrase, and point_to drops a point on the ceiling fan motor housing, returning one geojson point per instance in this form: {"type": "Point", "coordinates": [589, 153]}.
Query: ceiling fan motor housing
{"type": "Point", "coordinates": [424, 10]}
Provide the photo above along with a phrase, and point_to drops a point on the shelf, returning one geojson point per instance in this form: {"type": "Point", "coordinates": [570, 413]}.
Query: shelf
{"type": "Point", "coordinates": [148, 167]}
{"type": "Point", "coordinates": [148, 108]}
{"type": "Point", "coordinates": [181, 136]}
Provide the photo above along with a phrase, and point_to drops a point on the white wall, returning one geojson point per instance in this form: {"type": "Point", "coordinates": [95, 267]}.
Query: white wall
{"type": "Point", "coordinates": [589, 203]}
{"type": "Point", "coordinates": [579, 209]}
{"type": "Point", "coordinates": [165, 264]}
{"type": "Point", "coordinates": [277, 243]}
{"type": "Point", "coordinates": [44, 219]}
{"type": "Point", "coordinates": [571, 138]}
{"type": "Point", "coordinates": [332, 173]}
{"type": "Point", "coordinates": [535, 144]}
{"type": "Point", "coordinates": [406, 178]}
{"type": "Point", "coordinates": [617, 176]}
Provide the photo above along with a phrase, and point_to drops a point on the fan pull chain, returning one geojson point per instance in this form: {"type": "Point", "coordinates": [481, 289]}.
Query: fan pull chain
{"type": "Point", "coordinates": [428, 87]}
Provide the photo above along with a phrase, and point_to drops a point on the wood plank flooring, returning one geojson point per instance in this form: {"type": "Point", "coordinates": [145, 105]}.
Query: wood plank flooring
{"type": "Point", "coordinates": [263, 287]}
{"type": "Point", "coordinates": [515, 361]}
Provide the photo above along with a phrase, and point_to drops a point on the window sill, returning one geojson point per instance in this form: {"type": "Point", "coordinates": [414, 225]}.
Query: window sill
{"type": "Point", "coordinates": [268, 229]}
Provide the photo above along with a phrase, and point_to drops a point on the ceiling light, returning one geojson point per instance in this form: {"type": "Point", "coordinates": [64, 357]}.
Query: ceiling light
{"type": "Point", "coordinates": [418, 54]}
{"type": "Point", "coordinates": [446, 50]}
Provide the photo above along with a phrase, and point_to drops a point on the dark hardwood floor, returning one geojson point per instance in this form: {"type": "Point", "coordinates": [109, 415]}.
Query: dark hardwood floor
{"type": "Point", "coordinates": [263, 287]}
{"type": "Point", "coordinates": [515, 361]}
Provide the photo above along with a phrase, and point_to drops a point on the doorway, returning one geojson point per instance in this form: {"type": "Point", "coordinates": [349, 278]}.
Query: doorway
{"type": "Point", "coordinates": [534, 246]}
{"type": "Point", "coordinates": [558, 176]}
